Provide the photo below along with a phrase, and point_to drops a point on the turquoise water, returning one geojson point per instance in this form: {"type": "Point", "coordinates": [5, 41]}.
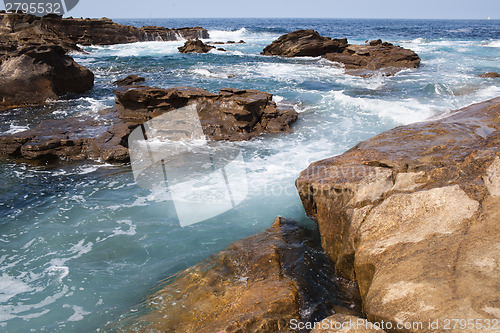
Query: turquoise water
{"type": "Point", "coordinates": [82, 244]}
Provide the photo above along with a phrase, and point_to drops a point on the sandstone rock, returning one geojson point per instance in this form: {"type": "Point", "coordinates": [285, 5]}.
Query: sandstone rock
{"type": "Point", "coordinates": [412, 216]}
{"type": "Point", "coordinates": [344, 323]}
{"type": "Point", "coordinates": [32, 74]}
{"type": "Point", "coordinates": [359, 60]}
{"type": "Point", "coordinates": [258, 284]}
{"type": "Point", "coordinates": [195, 45]}
{"type": "Point", "coordinates": [303, 43]}
{"type": "Point", "coordinates": [71, 31]}
{"type": "Point", "coordinates": [129, 80]}
{"type": "Point", "coordinates": [374, 56]}
{"type": "Point", "coordinates": [232, 115]}
{"type": "Point", "coordinates": [492, 75]}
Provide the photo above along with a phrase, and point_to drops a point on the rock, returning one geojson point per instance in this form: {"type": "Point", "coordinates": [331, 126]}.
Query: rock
{"type": "Point", "coordinates": [195, 45]}
{"type": "Point", "coordinates": [302, 43]}
{"type": "Point", "coordinates": [231, 115]}
{"type": "Point", "coordinates": [375, 56]}
{"type": "Point", "coordinates": [230, 42]}
{"type": "Point", "coordinates": [129, 80]}
{"type": "Point", "coordinates": [71, 31]}
{"type": "Point", "coordinates": [32, 74]}
{"type": "Point", "coordinates": [492, 75]}
{"type": "Point", "coordinates": [221, 49]}
{"type": "Point", "coordinates": [412, 216]}
{"type": "Point", "coordinates": [359, 60]}
{"type": "Point", "coordinates": [258, 284]}
{"type": "Point", "coordinates": [241, 42]}
{"type": "Point", "coordinates": [344, 323]}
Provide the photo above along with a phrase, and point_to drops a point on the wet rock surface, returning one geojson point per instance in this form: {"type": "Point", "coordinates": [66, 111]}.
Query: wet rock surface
{"type": "Point", "coordinates": [196, 46]}
{"type": "Point", "coordinates": [232, 115]}
{"type": "Point", "coordinates": [258, 284]}
{"type": "Point", "coordinates": [129, 80]}
{"type": "Point", "coordinates": [302, 43]}
{"type": "Point", "coordinates": [345, 323]}
{"type": "Point", "coordinates": [360, 60]}
{"type": "Point", "coordinates": [491, 75]}
{"type": "Point", "coordinates": [413, 216]}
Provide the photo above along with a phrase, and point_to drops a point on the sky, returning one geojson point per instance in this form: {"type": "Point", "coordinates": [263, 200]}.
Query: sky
{"type": "Point", "coordinates": [426, 9]}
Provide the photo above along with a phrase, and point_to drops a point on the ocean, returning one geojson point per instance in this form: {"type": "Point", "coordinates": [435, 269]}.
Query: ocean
{"type": "Point", "coordinates": [82, 245]}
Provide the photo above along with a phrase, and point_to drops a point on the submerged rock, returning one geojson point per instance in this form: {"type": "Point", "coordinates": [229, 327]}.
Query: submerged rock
{"type": "Point", "coordinates": [196, 46]}
{"type": "Point", "coordinates": [412, 215]}
{"type": "Point", "coordinates": [232, 114]}
{"type": "Point", "coordinates": [129, 80]}
{"type": "Point", "coordinates": [258, 284]}
{"type": "Point", "coordinates": [358, 59]}
{"type": "Point", "coordinates": [492, 75]}
{"type": "Point", "coordinates": [303, 43]}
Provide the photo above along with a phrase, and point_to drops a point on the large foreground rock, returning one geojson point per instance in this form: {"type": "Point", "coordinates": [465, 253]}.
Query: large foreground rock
{"type": "Point", "coordinates": [32, 74]}
{"type": "Point", "coordinates": [357, 59]}
{"type": "Point", "coordinates": [259, 284]}
{"type": "Point", "coordinates": [413, 215]}
{"type": "Point", "coordinates": [230, 115]}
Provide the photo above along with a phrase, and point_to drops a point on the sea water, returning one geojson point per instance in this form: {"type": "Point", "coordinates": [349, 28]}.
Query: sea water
{"type": "Point", "coordinates": [81, 244]}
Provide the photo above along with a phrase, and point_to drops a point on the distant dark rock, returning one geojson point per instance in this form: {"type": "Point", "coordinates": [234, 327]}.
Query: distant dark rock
{"type": "Point", "coordinates": [131, 79]}
{"type": "Point", "coordinates": [241, 42]}
{"type": "Point", "coordinates": [195, 45]}
{"type": "Point", "coordinates": [221, 49]}
{"type": "Point", "coordinates": [232, 115]}
{"type": "Point", "coordinates": [304, 43]}
{"type": "Point", "coordinates": [492, 75]}
{"type": "Point", "coordinates": [231, 42]}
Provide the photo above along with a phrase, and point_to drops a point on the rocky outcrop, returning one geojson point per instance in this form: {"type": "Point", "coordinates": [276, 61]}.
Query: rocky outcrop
{"type": "Point", "coordinates": [344, 323]}
{"type": "Point", "coordinates": [413, 216]}
{"type": "Point", "coordinates": [258, 284]}
{"type": "Point", "coordinates": [491, 75]}
{"type": "Point", "coordinates": [358, 59]}
{"type": "Point", "coordinates": [231, 115]}
{"type": "Point", "coordinates": [129, 80]}
{"type": "Point", "coordinates": [72, 31]}
{"type": "Point", "coordinates": [375, 56]}
{"type": "Point", "coordinates": [32, 74]}
{"type": "Point", "coordinates": [304, 43]}
{"type": "Point", "coordinates": [196, 46]}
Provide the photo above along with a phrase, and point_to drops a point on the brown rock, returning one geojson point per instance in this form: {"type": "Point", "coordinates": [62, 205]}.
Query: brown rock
{"type": "Point", "coordinates": [412, 216]}
{"type": "Point", "coordinates": [258, 284]}
{"type": "Point", "coordinates": [359, 60]}
{"type": "Point", "coordinates": [46, 74]}
{"type": "Point", "coordinates": [231, 115]}
{"type": "Point", "coordinates": [195, 45]}
{"type": "Point", "coordinates": [302, 43]}
{"type": "Point", "coordinates": [344, 323]}
{"type": "Point", "coordinates": [492, 75]}
{"type": "Point", "coordinates": [375, 56]}
{"type": "Point", "coordinates": [129, 80]}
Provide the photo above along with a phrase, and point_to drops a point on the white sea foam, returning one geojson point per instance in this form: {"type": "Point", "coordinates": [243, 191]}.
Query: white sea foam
{"type": "Point", "coordinates": [227, 35]}
{"type": "Point", "coordinates": [494, 43]}
{"type": "Point", "coordinates": [10, 287]}
{"type": "Point", "coordinates": [78, 314]}
{"type": "Point", "coordinates": [16, 129]}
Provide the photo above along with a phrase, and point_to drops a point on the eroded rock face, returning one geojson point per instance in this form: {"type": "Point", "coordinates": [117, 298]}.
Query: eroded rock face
{"type": "Point", "coordinates": [258, 284]}
{"type": "Point", "coordinates": [357, 59]}
{"type": "Point", "coordinates": [233, 114]}
{"type": "Point", "coordinates": [196, 46]}
{"type": "Point", "coordinates": [129, 80]}
{"type": "Point", "coordinates": [413, 216]}
{"type": "Point", "coordinates": [32, 74]}
{"type": "Point", "coordinates": [230, 115]}
{"type": "Point", "coordinates": [304, 43]}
